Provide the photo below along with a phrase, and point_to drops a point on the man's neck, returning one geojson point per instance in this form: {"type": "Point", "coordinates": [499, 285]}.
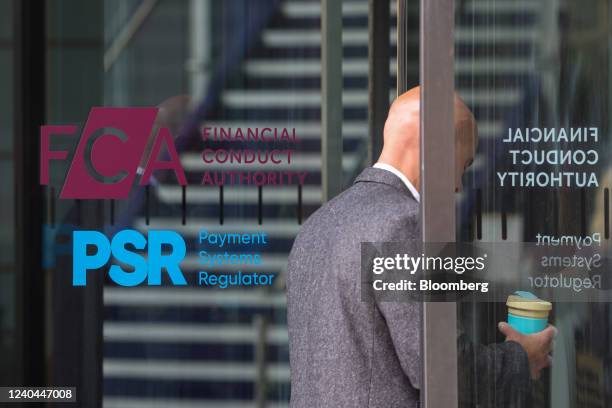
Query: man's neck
{"type": "Point", "coordinates": [402, 177]}
{"type": "Point", "coordinates": [408, 169]}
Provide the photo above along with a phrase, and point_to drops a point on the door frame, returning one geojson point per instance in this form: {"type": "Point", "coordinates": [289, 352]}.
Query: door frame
{"type": "Point", "coordinates": [439, 386]}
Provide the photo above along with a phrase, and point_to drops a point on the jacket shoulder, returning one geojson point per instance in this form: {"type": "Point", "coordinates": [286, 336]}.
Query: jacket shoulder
{"type": "Point", "coordinates": [367, 211]}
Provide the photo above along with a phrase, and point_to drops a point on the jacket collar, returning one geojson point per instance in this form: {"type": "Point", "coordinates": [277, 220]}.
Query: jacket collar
{"type": "Point", "coordinates": [374, 175]}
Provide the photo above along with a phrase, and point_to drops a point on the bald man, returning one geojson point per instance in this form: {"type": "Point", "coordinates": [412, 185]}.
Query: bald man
{"type": "Point", "coordinates": [348, 353]}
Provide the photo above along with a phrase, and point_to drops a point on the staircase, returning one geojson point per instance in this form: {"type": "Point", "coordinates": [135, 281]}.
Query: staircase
{"type": "Point", "coordinates": [197, 347]}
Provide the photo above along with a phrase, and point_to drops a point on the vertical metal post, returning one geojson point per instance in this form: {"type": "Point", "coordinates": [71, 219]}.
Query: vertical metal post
{"type": "Point", "coordinates": [29, 70]}
{"type": "Point", "coordinates": [90, 386]}
{"type": "Point", "coordinates": [401, 45]}
{"type": "Point", "coordinates": [439, 336]}
{"type": "Point", "coordinates": [261, 381]}
{"type": "Point", "coordinates": [200, 35]}
{"type": "Point", "coordinates": [378, 71]}
{"type": "Point", "coordinates": [331, 98]}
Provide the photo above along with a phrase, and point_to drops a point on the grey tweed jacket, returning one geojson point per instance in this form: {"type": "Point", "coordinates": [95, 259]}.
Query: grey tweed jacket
{"type": "Point", "coordinates": [345, 352]}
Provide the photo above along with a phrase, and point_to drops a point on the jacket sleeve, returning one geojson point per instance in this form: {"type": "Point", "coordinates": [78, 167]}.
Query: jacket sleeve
{"type": "Point", "coordinates": [495, 375]}
{"type": "Point", "coordinates": [403, 319]}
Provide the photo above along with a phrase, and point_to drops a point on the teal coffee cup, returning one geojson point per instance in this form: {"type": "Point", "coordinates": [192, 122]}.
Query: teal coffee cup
{"type": "Point", "coordinates": [526, 313]}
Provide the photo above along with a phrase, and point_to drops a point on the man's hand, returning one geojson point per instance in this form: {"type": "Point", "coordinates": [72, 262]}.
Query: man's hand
{"type": "Point", "coordinates": [538, 346]}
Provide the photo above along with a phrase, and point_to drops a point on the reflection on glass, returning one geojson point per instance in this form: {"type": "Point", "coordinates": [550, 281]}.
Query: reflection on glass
{"type": "Point", "coordinates": [220, 65]}
{"type": "Point", "coordinates": [538, 65]}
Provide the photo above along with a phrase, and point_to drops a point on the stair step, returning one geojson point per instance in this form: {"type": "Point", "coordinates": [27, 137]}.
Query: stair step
{"type": "Point", "coordinates": [276, 229]}
{"type": "Point", "coordinates": [307, 98]}
{"type": "Point", "coordinates": [312, 9]}
{"type": "Point", "coordinates": [204, 315]}
{"type": "Point", "coordinates": [188, 370]}
{"type": "Point", "coordinates": [310, 162]}
{"type": "Point", "coordinates": [135, 402]}
{"type": "Point", "coordinates": [191, 297]}
{"type": "Point", "coordinates": [241, 195]}
{"type": "Point", "coordinates": [228, 333]}
{"type": "Point", "coordinates": [288, 37]}
{"type": "Point", "coordinates": [295, 68]}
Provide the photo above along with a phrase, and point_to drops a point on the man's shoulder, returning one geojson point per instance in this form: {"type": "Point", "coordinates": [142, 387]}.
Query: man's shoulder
{"type": "Point", "coordinates": [366, 206]}
{"type": "Point", "coordinates": [376, 198]}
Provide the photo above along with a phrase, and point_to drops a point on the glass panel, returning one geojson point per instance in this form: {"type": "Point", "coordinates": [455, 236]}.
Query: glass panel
{"type": "Point", "coordinates": [208, 66]}
{"type": "Point", "coordinates": [530, 67]}
{"type": "Point", "coordinates": [233, 64]}
{"type": "Point", "coordinates": [74, 85]}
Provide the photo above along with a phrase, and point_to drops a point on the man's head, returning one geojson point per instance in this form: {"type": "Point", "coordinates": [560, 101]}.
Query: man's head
{"type": "Point", "coordinates": [402, 142]}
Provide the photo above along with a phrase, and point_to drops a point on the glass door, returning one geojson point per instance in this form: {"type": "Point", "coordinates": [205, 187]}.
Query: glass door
{"type": "Point", "coordinates": [208, 69]}
{"type": "Point", "coordinates": [536, 75]}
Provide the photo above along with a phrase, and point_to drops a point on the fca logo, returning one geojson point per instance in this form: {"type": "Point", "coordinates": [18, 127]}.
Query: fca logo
{"type": "Point", "coordinates": [111, 147]}
{"type": "Point", "coordinates": [149, 268]}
